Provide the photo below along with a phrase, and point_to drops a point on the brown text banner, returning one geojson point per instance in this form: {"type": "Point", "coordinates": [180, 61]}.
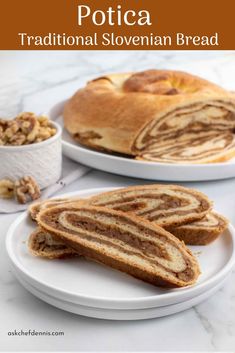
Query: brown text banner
{"type": "Point", "coordinates": [116, 24]}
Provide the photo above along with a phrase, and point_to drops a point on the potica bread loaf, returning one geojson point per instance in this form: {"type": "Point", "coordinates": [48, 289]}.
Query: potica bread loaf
{"type": "Point", "coordinates": [136, 113]}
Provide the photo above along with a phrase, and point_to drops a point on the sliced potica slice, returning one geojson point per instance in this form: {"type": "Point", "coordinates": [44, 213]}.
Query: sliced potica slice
{"type": "Point", "coordinates": [201, 232]}
{"type": "Point", "coordinates": [36, 207]}
{"type": "Point", "coordinates": [192, 148]}
{"type": "Point", "coordinates": [43, 244]}
{"type": "Point", "coordinates": [123, 241]}
{"type": "Point", "coordinates": [166, 205]}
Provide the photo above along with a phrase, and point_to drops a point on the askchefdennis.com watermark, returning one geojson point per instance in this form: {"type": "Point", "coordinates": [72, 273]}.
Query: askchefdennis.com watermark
{"type": "Point", "coordinates": [30, 332]}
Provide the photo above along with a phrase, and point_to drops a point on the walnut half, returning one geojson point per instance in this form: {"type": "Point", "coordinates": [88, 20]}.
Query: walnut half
{"type": "Point", "coordinates": [26, 189]}
{"type": "Point", "coordinates": [6, 189]}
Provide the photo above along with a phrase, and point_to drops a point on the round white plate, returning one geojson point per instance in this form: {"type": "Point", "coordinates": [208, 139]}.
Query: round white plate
{"type": "Point", "coordinates": [139, 169]}
{"type": "Point", "coordinates": [118, 314]}
{"type": "Point", "coordinates": [87, 283]}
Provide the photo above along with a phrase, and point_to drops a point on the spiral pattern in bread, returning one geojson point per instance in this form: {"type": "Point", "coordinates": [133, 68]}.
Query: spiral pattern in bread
{"type": "Point", "coordinates": [124, 242]}
{"type": "Point", "coordinates": [194, 148]}
{"type": "Point", "coordinates": [201, 232]}
{"type": "Point", "coordinates": [166, 205]}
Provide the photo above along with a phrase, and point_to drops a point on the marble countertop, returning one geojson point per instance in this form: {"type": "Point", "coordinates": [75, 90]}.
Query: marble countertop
{"type": "Point", "coordinates": [35, 81]}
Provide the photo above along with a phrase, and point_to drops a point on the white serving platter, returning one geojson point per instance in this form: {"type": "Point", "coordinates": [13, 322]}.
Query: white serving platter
{"type": "Point", "coordinates": [119, 314]}
{"type": "Point", "coordinates": [90, 284]}
{"type": "Point", "coordinates": [139, 169]}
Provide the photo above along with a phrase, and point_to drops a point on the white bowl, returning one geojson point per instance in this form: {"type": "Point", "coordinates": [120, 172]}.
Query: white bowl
{"type": "Point", "coordinates": [41, 160]}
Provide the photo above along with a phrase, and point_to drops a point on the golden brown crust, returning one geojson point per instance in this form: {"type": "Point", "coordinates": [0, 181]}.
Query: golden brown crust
{"type": "Point", "coordinates": [166, 82]}
{"type": "Point", "coordinates": [111, 111]}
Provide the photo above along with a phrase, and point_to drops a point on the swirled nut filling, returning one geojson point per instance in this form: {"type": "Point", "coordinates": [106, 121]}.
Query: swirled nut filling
{"type": "Point", "coordinates": [192, 134]}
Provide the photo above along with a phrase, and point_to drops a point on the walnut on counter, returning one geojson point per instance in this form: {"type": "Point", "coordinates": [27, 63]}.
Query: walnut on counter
{"type": "Point", "coordinates": [26, 189]}
{"type": "Point", "coordinates": [26, 128]}
{"type": "Point", "coordinates": [7, 189]}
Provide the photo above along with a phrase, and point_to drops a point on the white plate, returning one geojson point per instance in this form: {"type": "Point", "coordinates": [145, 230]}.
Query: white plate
{"type": "Point", "coordinates": [118, 314]}
{"type": "Point", "coordinates": [91, 284]}
{"type": "Point", "coordinates": [140, 169]}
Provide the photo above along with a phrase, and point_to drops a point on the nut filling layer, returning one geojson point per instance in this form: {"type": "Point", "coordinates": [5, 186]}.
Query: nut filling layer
{"type": "Point", "coordinates": [193, 134]}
